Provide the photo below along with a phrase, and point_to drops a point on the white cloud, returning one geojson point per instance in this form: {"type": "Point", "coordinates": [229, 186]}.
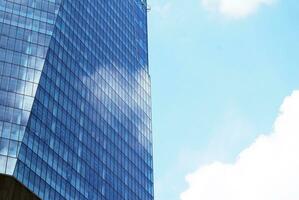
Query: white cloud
{"type": "Point", "coordinates": [235, 8]}
{"type": "Point", "coordinates": [267, 170]}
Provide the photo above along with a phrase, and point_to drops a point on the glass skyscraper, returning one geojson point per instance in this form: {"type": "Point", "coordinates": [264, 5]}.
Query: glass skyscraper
{"type": "Point", "coordinates": [75, 103]}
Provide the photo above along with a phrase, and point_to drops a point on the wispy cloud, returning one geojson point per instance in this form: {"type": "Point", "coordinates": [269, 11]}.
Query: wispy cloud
{"type": "Point", "coordinates": [267, 170]}
{"type": "Point", "coordinates": [235, 8]}
{"type": "Point", "coordinates": [162, 9]}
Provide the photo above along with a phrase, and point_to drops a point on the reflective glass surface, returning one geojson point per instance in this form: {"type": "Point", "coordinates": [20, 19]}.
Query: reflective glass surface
{"type": "Point", "coordinates": [75, 100]}
{"type": "Point", "coordinates": [25, 30]}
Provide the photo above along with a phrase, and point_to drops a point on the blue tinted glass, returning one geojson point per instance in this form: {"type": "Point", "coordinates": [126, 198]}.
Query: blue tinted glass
{"type": "Point", "coordinates": [75, 109]}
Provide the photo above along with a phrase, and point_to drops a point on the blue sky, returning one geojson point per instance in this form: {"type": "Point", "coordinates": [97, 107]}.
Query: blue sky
{"type": "Point", "coordinates": [217, 82]}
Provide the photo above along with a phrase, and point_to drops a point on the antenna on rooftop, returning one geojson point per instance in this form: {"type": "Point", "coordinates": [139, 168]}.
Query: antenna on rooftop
{"type": "Point", "coordinates": [144, 3]}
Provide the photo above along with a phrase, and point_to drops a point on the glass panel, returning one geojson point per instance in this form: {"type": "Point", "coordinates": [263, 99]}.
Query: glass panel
{"type": "Point", "coordinates": [4, 146]}
{"type": "Point", "coordinates": [3, 160]}
{"type": "Point", "coordinates": [10, 166]}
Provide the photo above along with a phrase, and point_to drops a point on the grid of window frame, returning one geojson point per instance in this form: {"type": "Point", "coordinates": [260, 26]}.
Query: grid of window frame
{"type": "Point", "coordinates": [89, 132]}
{"type": "Point", "coordinates": [25, 30]}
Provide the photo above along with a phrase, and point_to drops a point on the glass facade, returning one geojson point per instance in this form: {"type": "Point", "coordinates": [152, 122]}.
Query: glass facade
{"type": "Point", "coordinates": [75, 104]}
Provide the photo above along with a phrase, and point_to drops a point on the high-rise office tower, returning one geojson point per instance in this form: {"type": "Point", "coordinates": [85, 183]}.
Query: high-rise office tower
{"type": "Point", "coordinates": [75, 104]}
